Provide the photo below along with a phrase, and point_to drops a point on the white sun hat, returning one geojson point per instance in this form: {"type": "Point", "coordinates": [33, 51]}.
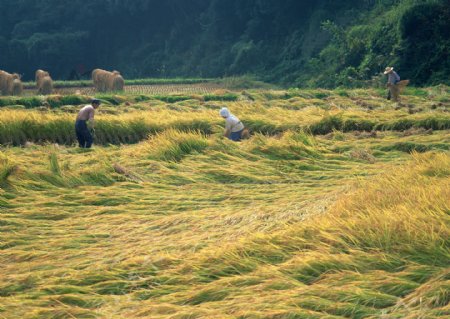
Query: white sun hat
{"type": "Point", "coordinates": [224, 112]}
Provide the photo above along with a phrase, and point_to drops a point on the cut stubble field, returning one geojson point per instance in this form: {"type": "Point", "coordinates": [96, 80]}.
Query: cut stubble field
{"type": "Point", "coordinates": [336, 207]}
{"type": "Point", "coordinates": [196, 88]}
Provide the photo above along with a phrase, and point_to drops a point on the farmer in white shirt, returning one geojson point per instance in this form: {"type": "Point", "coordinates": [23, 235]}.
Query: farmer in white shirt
{"type": "Point", "coordinates": [86, 115]}
{"type": "Point", "coordinates": [233, 126]}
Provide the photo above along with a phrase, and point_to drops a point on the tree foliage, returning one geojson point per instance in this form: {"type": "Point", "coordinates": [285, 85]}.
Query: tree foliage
{"type": "Point", "coordinates": [295, 42]}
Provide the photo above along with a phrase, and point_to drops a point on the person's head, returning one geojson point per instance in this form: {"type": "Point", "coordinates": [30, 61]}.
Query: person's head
{"type": "Point", "coordinates": [224, 112]}
{"type": "Point", "coordinates": [388, 70]}
{"type": "Point", "coordinates": [95, 103]}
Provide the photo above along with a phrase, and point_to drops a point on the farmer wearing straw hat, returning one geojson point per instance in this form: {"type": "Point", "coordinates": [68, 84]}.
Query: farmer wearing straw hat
{"type": "Point", "coordinates": [86, 115]}
{"type": "Point", "coordinates": [393, 79]}
{"type": "Point", "coordinates": [233, 126]}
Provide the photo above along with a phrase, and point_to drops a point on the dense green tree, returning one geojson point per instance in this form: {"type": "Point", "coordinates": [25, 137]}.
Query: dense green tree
{"type": "Point", "coordinates": [295, 42]}
{"type": "Point", "coordinates": [425, 46]}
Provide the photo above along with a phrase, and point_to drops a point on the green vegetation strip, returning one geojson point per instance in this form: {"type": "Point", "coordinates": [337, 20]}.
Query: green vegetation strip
{"type": "Point", "coordinates": [149, 81]}
{"type": "Point", "coordinates": [38, 128]}
{"type": "Point", "coordinates": [129, 118]}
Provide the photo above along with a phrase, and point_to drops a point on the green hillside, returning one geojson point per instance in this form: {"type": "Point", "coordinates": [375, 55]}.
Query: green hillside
{"type": "Point", "coordinates": [325, 43]}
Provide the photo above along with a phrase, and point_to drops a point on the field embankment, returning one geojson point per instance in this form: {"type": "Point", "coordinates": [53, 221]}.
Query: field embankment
{"type": "Point", "coordinates": [130, 118]}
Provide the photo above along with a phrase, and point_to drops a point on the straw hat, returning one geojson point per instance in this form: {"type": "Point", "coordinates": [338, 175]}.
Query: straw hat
{"type": "Point", "coordinates": [388, 70]}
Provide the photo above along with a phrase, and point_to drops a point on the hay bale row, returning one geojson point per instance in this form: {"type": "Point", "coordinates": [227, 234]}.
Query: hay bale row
{"type": "Point", "coordinates": [10, 84]}
{"type": "Point", "coordinates": [105, 81]}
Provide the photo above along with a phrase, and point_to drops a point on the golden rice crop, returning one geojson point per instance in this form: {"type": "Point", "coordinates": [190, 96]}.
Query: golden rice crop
{"type": "Point", "coordinates": [174, 221]}
{"type": "Point", "coordinates": [129, 119]}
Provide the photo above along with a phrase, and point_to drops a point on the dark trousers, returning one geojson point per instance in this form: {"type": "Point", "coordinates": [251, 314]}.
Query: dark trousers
{"type": "Point", "coordinates": [236, 136]}
{"type": "Point", "coordinates": [84, 137]}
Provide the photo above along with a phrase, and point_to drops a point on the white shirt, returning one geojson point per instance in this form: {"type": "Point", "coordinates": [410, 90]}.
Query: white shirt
{"type": "Point", "coordinates": [233, 124]}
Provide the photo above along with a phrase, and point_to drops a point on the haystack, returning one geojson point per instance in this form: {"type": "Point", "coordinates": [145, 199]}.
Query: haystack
{"type": "Point", "coordinates": [46, 86]}
{"type": "Point", "coordinates": [17, 87]}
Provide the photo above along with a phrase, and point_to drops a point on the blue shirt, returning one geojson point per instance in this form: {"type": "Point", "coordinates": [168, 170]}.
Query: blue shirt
{"type": "Point", "coordinates": [393, 77]}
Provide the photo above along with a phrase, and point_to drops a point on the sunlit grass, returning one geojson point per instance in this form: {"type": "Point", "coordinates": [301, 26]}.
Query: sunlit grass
{"type": "Point", "coordinates": [174, 221]}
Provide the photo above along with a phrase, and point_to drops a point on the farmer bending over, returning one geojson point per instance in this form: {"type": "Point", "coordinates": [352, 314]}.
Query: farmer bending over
{"type": "Point", "coordinates": [84, 134]}
{"type": "Point", "coordinates": [233, 127]}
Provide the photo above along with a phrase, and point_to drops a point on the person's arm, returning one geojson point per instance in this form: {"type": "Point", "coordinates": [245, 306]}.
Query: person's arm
{"type": "Point", "coordinates": [227, 129]}
{"type": "Point", "coordinates": [91, 119]}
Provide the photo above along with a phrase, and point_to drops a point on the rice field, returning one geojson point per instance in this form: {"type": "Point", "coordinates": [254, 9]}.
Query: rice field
{"type": "Point", "coordinates": [336, 207]}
